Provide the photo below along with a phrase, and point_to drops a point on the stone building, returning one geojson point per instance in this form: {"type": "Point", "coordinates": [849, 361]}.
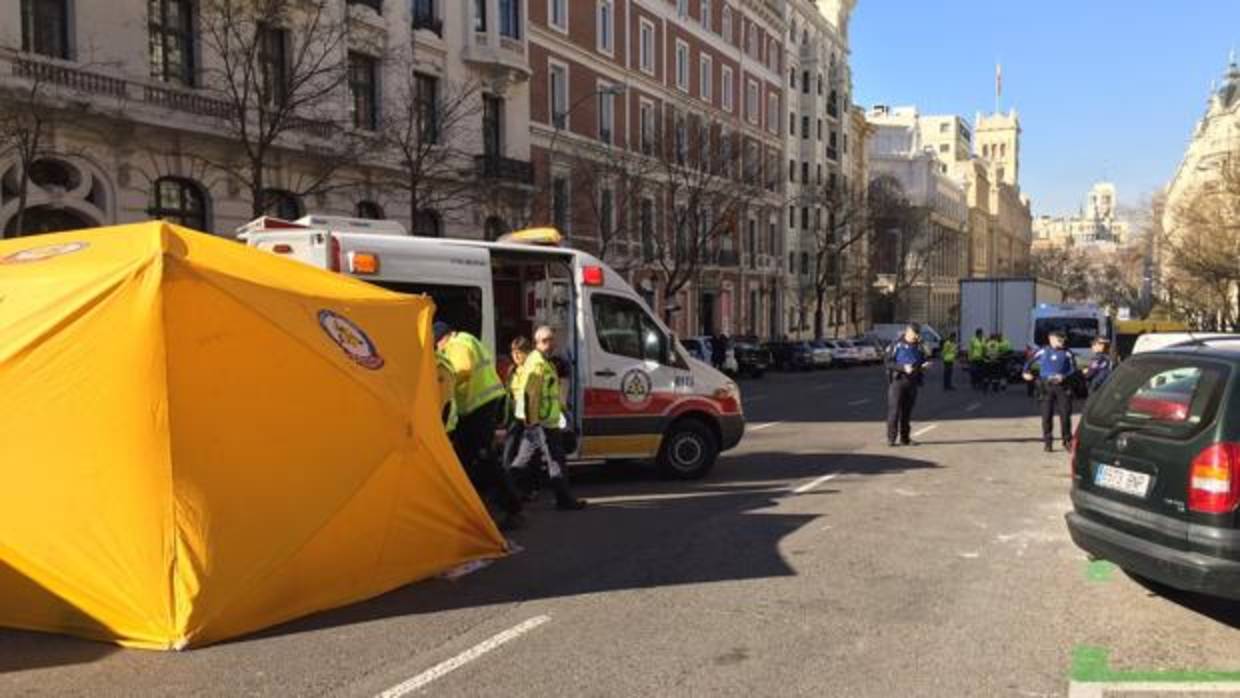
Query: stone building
{"type": "Point", "coordinates": [1099, 224]}
{"type": "Point", "coordinates": [140, 122]}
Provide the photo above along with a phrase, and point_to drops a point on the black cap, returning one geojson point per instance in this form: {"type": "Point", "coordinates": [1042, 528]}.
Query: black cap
{"type": "Point", "coordinates": [1058, 333]}
{"type": "Point", "coordinates": [914, 326]}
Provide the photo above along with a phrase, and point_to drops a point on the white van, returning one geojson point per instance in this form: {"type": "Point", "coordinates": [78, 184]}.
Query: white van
{"type": "Point", "coordinates": [1082, 323]}
{"type": "Point", "coordinates": [887, 333]}
{"type": "Point", "coordinates": [635, 392]}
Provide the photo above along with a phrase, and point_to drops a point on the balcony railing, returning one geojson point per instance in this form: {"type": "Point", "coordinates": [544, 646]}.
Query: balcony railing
{"type": "Point", "coordinates": [182, 100]}
{"type": "Point", "coordinates": [502, 168]}
{"type": "Point", "coordinates": [56, 73]}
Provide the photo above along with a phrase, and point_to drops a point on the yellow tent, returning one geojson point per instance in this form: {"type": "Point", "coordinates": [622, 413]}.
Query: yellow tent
{"type": "Point", "coordinates": [198, 439]}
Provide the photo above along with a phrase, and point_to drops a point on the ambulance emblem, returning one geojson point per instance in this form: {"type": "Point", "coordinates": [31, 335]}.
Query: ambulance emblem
{"type": "Point", "coordinates": [349, 337]}
{"type": "Point", "coordinates": [635, 388]}
{"type": "Point", "coordinates": [38, 254]}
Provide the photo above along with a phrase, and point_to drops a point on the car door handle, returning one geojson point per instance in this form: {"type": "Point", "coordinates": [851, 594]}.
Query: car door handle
{"type": "Point", "coordinates": [605, 374]}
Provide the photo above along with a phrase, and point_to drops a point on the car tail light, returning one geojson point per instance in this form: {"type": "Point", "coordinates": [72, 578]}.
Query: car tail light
{"type": "Point", "coordinates": [333, 253]}
{"type": "Point", "coordinates": [1214, 479]}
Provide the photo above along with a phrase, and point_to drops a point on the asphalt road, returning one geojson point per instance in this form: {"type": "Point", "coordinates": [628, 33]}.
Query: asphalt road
{"type": "Point", "coordinates": [813, 561]}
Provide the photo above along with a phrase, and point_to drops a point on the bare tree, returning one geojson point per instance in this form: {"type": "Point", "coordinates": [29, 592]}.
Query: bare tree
{"type": "Point", "coordinates": [906, 241]}
{"type": "Point", "coordinates": [276, 71]}
{"type": "Point", "coordinates": [705, 191]}
{"type": "Point", "coordinates": [1204, 249]}
{"type": "Point", "coordinates": [618, 181]}
{"type": "Point", "coordinates": [1066, 267]}
{"type": "Point", "coordinates": [40, 105]}
{"type": "Point", "coordinates": [845, 229]}
{"type": "Point", "coordinates": [429, 126]}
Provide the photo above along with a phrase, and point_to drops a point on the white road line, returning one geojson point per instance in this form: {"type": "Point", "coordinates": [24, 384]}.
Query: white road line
{"type": "Point", "coordinates": [1080, 689]}
{"type": "Point", "coordinates": [764, 425]}
{"type": "Point", "coordinates": [926, 429]}
{"type": "Point", "coordinates": [973, 407]}
{"type": "Point", "coordinates": [814, 483]}
{"type": "Point", "coordinates": [858, 403]}
{"type": "Point", "coordinates": [444, 668]}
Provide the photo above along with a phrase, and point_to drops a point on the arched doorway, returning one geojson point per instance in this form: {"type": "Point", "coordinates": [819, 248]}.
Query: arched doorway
{"type": "Point", "coordinates": [45, 219]}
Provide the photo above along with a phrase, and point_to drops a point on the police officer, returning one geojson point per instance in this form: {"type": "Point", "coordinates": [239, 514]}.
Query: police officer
{"type": "Point", "coordinates": [1100, 366]}
{"type": "Point", "coordinates": [479, 397]}
{"type": "Point", "coordinates": [994, 363]}
{"type": "Point", "coordinates": [538, 409]}
{"type": "Point", "coordinates": [446, 377]}
{"type": "Point", "coordinates": [950, 352]}
{"type": "Point", "coordinates": [977, 359]}
{"type": "Point", "coordinates": [906, 363]}
{"type": "Point", "coordinates": [1056, 366]}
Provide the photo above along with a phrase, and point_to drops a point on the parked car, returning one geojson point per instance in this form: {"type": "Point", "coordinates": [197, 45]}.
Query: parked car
{"type": "Point", "coordinates": [1156, 469]}
{"type": "Point", "coordinates": [842, 351]}
{"type": "Point", "coordinates": [791, 356]}
{"type": "Point", "coordinates": [823, 356]}
{"type": "Point", "coordinates": [702, 349]}
{"type": "Point", "coordinates": [871, 351]}
{"type": "Point", "coordinates": [752, 359]}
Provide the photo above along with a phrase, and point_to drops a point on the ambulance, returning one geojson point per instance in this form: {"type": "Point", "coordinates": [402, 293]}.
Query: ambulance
{"type": "Point", "coordinates": [634, 392]}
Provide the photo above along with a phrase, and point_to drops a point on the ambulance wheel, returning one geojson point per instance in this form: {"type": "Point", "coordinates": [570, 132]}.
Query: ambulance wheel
{"type": "Point", "coordinates": [688, 451]}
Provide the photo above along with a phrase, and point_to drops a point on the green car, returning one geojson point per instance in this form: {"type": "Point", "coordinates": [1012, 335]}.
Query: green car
{"type": "Point", "coordinates": [1156, 469]}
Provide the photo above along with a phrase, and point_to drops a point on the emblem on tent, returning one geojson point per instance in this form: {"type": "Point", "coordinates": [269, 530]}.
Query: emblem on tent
{"type": "Point", "coordinates": [349, 337]}
{"type": "Point", "coordinates": [635, 388]}
{"type": "Point", "coordinates": [38, 254]}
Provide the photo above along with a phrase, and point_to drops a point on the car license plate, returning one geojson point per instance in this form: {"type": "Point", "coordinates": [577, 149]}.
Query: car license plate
{"type": "Point", "coordinates": [1121, 480]}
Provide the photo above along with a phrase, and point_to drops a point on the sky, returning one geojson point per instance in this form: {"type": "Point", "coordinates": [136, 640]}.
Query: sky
{"type": "Point", "coordinates": [1105, 89]}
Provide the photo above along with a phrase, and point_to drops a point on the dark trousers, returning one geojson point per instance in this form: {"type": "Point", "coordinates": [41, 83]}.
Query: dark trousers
{"type": "Point", "coordinates": [1056, 398]}
{"type": "Point", "coordinates": [976, 376]}
{"type": "Point", "coordinates": [473, 442]}
{"type": "Point", "coordinates": [901, 396]}
{"type": "Point", "coordinates": [949, 367]}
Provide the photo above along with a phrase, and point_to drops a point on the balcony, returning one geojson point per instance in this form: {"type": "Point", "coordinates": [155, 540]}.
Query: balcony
{"type": "Point", "coordinates": [503, 56]}
{"type": "Point", "coordinates": [495, 167]}
{"type": "Point", "coordinates": [376, 5]}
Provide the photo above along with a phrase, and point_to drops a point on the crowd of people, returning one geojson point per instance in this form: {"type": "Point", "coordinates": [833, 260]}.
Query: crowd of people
{"type": "Point", "coordinates": [475, 403]}
{"type": "Point", "coordinates": [1051, 374]}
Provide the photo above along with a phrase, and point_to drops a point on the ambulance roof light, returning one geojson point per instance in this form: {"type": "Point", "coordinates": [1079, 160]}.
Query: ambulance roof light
{"type": "Point", "coordinates": [549, 237]}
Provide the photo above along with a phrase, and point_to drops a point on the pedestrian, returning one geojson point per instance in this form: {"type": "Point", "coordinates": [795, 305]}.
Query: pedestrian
{"type": "Point", "coordinates": [1056, 366]}
{"type": "Point", "coordinates": [718, 351]}
{"type": "Point", "coordinates": [445, 375]}
{"type": "Point", "coordinates": [539, 409]}
{"type": "Point", "coordinates": [977, 359]}
{"type": "Point", "coordinates": [525, 481]}
{"type": "Point", "coordinates": [479, 397]}
{"type": "Point", "coordinates": [1100, 366]}
{"type": "Point", "coordinates": [906, 364]}
{"type": "Point", "coordinates": [994, 364]}
{"type": "Point", "coordinates": [950, 350]}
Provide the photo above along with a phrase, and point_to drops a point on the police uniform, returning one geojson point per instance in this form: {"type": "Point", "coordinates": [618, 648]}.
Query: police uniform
{"type": "Point", "coordinates": [902, 387]}
{"type": "Point", "coordinates": [1099, 371]}
{"type": "Point", "coordinates": [479, 397]}
{"type": "Point", "coordinates": [994, 364]}
{"type": "Point", "coordinates": [1055, 371]}
{"type": "Point", "coordinates": [446, 376]}
{"type": "Point", "coordinates": [977, 361]}
{"type": "Point", "coordinates": [950, 352]}
{"type": "Point", "coordinates": [537, 392]}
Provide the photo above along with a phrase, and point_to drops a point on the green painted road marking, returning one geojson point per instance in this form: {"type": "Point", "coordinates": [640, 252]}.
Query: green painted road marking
{"type": "Point", "coordinates": [1092, 665]}
{"type": "Point", "coordinates": [1099, 570]}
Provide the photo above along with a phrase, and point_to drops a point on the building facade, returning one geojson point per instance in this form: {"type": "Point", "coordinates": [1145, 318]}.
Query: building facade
{"type": "Point", "coordinates": [1214, 143]}
{"type": "Point", "coordinates": [139, 119]}
{"type": "Point", "coordinates": [1099, 224]}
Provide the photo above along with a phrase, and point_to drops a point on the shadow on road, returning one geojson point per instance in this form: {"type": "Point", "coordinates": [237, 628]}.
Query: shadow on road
{"type": "Point", "coordinates": [21, 650]}
{"type": "Point", "coordinates": [643, 533]}
{"type": "Point", "coordinates": [1223, 611]}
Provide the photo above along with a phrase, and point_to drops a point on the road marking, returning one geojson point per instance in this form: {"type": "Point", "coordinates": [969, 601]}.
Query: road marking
{"type": "Point", "coordinates": [764, 425]}
{"type": "Point", "coordinates": [1093, 677]}
{"type": "Point", "coordinates": [1099, 570]}
{"type": "Point", "coordinates": [858, 403]}
{"type": "Point", "coordinates": [973, 407]}
{"type": "Point", "coordinates": [444, 668]}
{"type": "Point", "coordinates": [926, 429]}
{"type": "Point", "coordinates": [814, 483]}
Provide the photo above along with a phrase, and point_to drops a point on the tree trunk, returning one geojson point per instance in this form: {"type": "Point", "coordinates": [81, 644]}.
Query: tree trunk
{"type": "Point", "coordinates": [820, 299]}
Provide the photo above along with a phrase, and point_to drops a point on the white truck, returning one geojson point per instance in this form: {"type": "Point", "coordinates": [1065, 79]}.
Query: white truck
{"type": "Point", "coordinates": [635, 392]}
{"type": "Point", "coordinates": [1004, 305]}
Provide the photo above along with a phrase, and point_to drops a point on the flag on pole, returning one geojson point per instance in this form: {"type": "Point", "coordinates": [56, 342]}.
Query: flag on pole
{"type": "Point", "coordinates": [998, 80]}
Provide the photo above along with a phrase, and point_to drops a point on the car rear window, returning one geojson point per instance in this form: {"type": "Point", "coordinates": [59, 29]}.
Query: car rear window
{"type": "Point", "coordinates": [1173, 396]}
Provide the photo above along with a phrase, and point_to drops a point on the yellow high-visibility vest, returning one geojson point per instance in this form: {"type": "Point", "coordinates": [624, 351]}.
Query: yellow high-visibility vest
{"type": "Point", "coordinates": [477, 383]}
